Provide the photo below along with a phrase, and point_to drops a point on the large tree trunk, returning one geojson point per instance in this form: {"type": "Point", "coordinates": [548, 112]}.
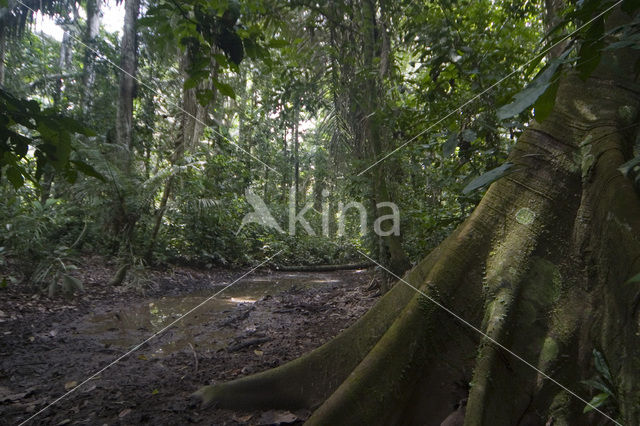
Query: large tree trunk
{"type": "Point", "coordinates": [540, 267]}
{"type": "Point", "coordinates": [128, 64]}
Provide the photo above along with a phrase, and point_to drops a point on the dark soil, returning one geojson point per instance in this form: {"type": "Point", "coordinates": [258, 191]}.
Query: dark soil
{"type": "Point", "coordinates": [46, 349]}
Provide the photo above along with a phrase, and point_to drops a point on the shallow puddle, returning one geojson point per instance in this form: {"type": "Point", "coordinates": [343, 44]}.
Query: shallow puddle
{"type": "Point", "coordinates": [130, 325]}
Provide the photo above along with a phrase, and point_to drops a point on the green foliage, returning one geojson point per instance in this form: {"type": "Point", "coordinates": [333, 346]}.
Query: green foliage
{"type": "Point", "coordinates": [217, 36]}
{"type": "Point", "coordinates": [603, 383]}
{"type": "Point", "coordinates": [488, 178]}
{"type": "Point", "coordinates": [266, 71]}
{"type": "Point", "coordinates": [588, 45]}
{"type": "Point", "coordinates": [24, 126]}
{"type": "Point", "coordinates": [540, 91]}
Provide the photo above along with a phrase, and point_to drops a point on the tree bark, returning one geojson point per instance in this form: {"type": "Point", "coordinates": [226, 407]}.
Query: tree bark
{"type": "Point", "coordinates": [89, 71]}
{"type": "Point", "coordinates": [540, 267]}
{"type": "Point", "coordinates": [296, 157]}
{"type": "Point", "coordinates": [128, 65]}
{"type": "Point", "coordinates": [398, 260]}
{"type": "Point", "coordinates": [285, 155]}
{"type": "Point", "coordinates": [64, 63]}
{"type": "Point", "coordinates": [552, 18]}
{"type": "Point", "coordinates": [3, 52]}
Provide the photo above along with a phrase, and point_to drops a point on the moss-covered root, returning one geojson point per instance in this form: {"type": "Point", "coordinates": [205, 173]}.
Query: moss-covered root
{"type": "Point", "coordinates": [310, 379]}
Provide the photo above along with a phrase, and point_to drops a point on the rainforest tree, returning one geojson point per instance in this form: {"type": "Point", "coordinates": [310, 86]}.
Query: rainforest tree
{"type": "Point", "coordinates": [140, 146]}
{"type": "Point", "coordinates": [543, 268]}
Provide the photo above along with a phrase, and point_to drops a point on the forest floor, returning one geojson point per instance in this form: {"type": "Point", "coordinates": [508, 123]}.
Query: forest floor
{"type": "Point", "coordinates": [48, 346]}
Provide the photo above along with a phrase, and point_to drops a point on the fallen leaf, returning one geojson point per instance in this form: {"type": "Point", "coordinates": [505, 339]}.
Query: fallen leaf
{"type": "Point", "coordinates": [272, 417]}
{"type": "Point", "coordinates": [258, 352]}
{"type": "Point", "coordinates": [70, 385]}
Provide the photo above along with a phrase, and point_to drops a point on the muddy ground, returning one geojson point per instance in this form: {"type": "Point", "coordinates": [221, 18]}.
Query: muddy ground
{"type": "Point", "coordinates": [48, 346]}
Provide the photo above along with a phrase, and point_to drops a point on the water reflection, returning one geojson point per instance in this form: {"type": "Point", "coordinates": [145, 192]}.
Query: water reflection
{"type": "Point", "coordinates": [129, 325]}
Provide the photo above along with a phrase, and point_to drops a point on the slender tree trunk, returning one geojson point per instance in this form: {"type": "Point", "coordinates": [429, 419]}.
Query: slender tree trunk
{"type": "Point", "coordinates": [157, 220]}
{"type": "Point", "coordinates": [89, 72]}
{"type": "Point", "coordinates": [127, 92]}
{"type": "Point", "coordinates": [245, 138]}
{"type": "Point", "coordinates": [3, 52]}
{"type": "Point", "coordinates": [285, 156]}
{"type": "Point", "coordinates": [193, 117]}
{"type": "Point", "coordinates": [64, 63]}
{"type": "Point", "coordinates": [296, 156]}
{"type": "Point", "coordinates": [265, 185]}
{"type": "Point", "coordinates": [398, 260]}
{"type": "Point", "coordinates": [541, 267]}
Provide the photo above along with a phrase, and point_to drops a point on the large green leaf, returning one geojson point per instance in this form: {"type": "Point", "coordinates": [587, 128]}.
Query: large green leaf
{"type": "Point", "coordinates": [190, 83]}
{"type": "Point", "coordinates": [591, 49]}
{"type": "Point", "coordinates": [88, 170]}
{"type": "Point", "coordinates": [535, 90]}
{"type": "Point", "coordinates": [596, 402]}
{"type": "Point", "coordinates": [597, 384]}
{"type": "Point", "coordinates": [601, 365]}
{"type": "Point", "coordinates": [544, 105]}
{"type": "Point", "coordinates": [15, 176]}
{"type": "Point", "coordinates": [487, 178]}
{"type": "Point", "coordinates": [225, 89]}
{"type": "Point", "coordinates": [530, 94]}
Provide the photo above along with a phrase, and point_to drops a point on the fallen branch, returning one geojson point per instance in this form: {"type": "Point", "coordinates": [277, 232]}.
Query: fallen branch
{"type": "Point", "coordinates": [325, 268]}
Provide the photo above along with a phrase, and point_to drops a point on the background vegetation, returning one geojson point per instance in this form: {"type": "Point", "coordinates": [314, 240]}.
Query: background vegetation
{"type": "Point", "coordinates": [262, 95]}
